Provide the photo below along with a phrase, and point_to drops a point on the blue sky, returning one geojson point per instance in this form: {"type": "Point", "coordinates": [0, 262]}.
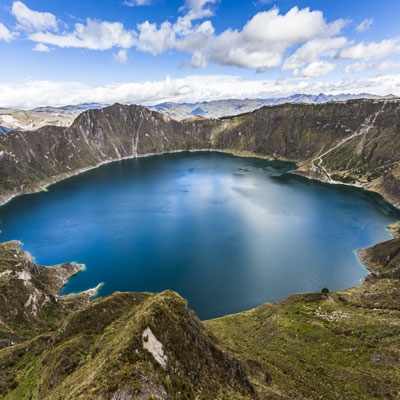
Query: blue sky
{"type": "Point", "coordinates": [150, 51]}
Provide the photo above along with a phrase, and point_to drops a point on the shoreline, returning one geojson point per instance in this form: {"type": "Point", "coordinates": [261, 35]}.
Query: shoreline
{"type": "Point", "coordinates": [93, 292]}
{"type": "Point", "coordinates": [42, 187]}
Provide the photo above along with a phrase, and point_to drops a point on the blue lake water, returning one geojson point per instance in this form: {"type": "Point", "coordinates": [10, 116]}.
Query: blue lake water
{"type": "Point", "coordinates": [227, 233]}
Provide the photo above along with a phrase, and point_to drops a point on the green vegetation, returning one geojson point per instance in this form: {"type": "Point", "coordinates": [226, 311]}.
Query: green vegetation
{"type": "Point", "coordinates": [343, 344]}
{"type": "Point", "coordinates": [95, 349]}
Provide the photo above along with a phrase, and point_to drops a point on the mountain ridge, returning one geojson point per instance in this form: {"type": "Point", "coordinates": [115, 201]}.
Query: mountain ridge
{"type": "Point", "coordinates": [353, 142]}
{"type": "Point", "coordinates": [17, 119]}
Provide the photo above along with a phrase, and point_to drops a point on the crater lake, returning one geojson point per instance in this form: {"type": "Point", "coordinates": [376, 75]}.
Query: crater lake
{"type": "Point", "coordinates": [227, 233]}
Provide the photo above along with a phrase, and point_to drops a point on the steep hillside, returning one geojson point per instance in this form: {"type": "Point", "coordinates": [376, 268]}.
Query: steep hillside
{"type": "Point", "coordinates": [124, 346]}
{"type": "Point", "coordinates": [339, 345]}
{"type": "Point", "coordinates": [29, 304]}
{"type": "Point", "coordinates": [354, 142]}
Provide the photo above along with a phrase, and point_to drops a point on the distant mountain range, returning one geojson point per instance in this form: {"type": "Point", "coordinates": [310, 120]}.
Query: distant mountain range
{"type": "Point", "coordinates": [221, 108]}
{"type": "Point", "coordinates": [17, 119]}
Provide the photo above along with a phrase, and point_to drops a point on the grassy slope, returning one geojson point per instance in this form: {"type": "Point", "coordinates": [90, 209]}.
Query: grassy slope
{"type": "Point", "coordinates": [344, 344]}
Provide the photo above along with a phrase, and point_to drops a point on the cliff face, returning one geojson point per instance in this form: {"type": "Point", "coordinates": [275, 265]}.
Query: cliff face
{"type": "Point", "coordinates": [354, 142]}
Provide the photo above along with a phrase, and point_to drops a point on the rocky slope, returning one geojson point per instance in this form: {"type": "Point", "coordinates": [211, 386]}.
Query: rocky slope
{"type": "Point", "coordinates": [29, 304]}
{"type": "Point", "coordinates": [21, 120]}
{"type": "Point", "coordinates": [355, 142]}
{"type": "Point", "coordinates": [124, 346]}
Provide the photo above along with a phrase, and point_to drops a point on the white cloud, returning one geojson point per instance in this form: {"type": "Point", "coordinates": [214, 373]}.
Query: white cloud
{"type": "Point", "coordinates": [316, 68]}
{"type": "Point", "coordinates": [6, 34]}
{"type": "Point", "coordinates": [155, 40]}
{"type": "Point", "coordinates": [365, 25]}
{"type": "Point", "coordinates": [370, 51]}
{"type": "Point", "coordinates": [358, 67]}
{"type": "Point", "coordinates": [181, 35]}
{"type": "Point", "coordinates": [313, 49]}
{"type": "Point", "coordinates": [30, 20]}
{"type": "Point", "coordinates": [187, 89]}
{"type": "Point", "coordinates": [198, 60]}
{"type": "Point", "coordinates": [389, 64]}
{"type": "Point", "coordinates": [41, 48]}
{"type": "Point", "coordinates": [363, 66]}
{"type": "Point", "coordinates": [265, 38]}
{"type": "Point", "coordinates": [134, 3]}
{"type": "Point", "coordinates": [197, 9]}
{"type": "Point", "coordinates": [197, 38]}
{"type": "Point", "coordinates": [260, 44]}
{"type": "Point", "coordinates": [121, 56]}
{"type": "Point", "coordinates": [95, 35]}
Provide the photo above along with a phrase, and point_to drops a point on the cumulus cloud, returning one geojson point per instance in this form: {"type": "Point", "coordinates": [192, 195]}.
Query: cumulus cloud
{"type": "Point", "coordinates": [198, 60]}
{"type": "Point", "coordinates": [363, 66]}
{"type": "Point", "coordinates": [181, 35]}
{"type": "Point", "coordinates": [198, 9]}
{"type": "Point", "coordinates": [365, 25]}
{"type": "Point", "coordinates": [312, 50]}
{"type": "Point", "coordinates": [314, 69]}
{"type": "Point", "coordinates": [95, 35]}
{"type": "Point", "coordinates": [260, 44]}
{"type": "Point", "coordinates": [41, 48]}
{"type": "Point", "coordinates": [6, 34]}
{"type": "Point", "coordinates": [370, 51]}
{"type": "Point", "coordinates": [358, 67]}
{"type": "Point", "coordinates": [263, 40]}
{"type": "Point", "coordinates": [121, 56]}
{"type": "Point", "coordinates": [388, 65]}
{"type": "Point", "coordinates": [311, 44]}
{"type": "Point", "coordinates": [30, 20]}
{"type": "Point", "coordinates": [155, 40]}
